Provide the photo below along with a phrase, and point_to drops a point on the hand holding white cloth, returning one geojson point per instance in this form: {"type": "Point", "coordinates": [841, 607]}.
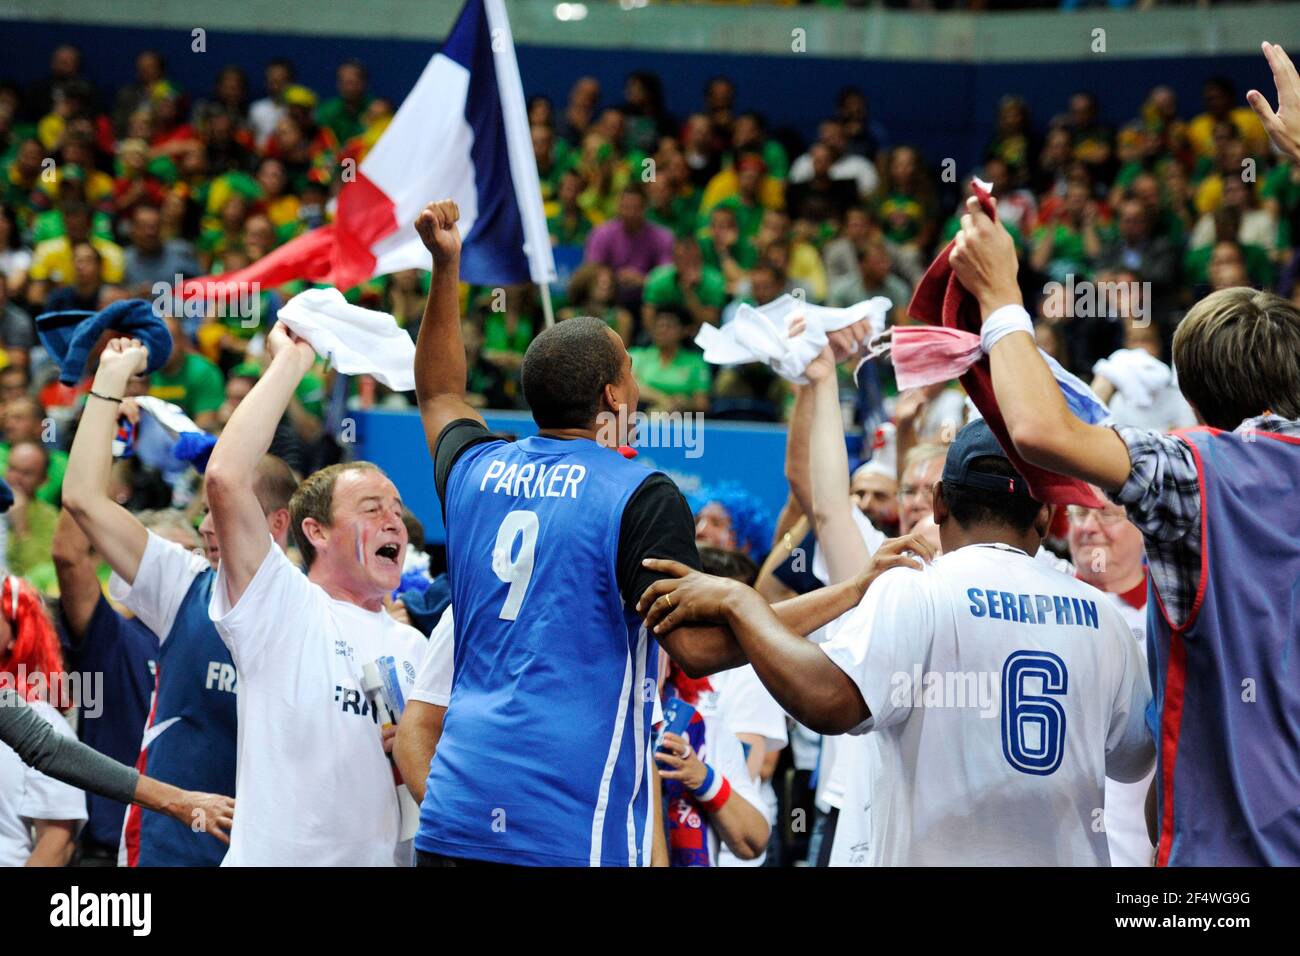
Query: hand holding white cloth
{"type": "Point", "coordinates": [762, 334]}
{"type": "Point", "coordinates": [356, 341]}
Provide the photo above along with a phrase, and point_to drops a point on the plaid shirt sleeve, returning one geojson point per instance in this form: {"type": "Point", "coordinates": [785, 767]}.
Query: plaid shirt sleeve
{"type": "Point", "coordinates": [1163, 498]}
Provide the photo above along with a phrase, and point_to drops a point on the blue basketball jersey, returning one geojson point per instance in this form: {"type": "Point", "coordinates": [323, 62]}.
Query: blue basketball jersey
{"type": "Point", "coordinates": [544, 755]}
{"type": "Point", "coordinates": [190, 737]}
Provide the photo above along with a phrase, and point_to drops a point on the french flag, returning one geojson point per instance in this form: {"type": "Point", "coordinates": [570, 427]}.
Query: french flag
{"type": "Point", "coordinates": [462, 134]}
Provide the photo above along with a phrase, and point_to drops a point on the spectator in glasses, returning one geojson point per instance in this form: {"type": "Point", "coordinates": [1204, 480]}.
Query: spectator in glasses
{"type": "Point", "coordinates": [1107, 552]}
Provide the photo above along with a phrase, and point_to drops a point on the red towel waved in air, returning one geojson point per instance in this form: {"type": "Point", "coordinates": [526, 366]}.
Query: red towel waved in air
{"type": "Point", "coordinates": [941, 300]}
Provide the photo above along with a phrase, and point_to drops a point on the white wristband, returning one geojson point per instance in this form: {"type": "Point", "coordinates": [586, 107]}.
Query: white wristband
{"type": "Point", "coordinates": [704, 796]}
{"type": "Point", "coordinates": [1004, 321]}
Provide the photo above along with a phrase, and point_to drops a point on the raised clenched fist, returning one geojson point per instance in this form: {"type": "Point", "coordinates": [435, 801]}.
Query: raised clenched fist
{"type": "Point", "coordinates": [436, 225]}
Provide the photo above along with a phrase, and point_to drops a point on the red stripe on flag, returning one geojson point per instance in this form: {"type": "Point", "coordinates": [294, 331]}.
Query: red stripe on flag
{"type": "Point", "coordinates": [338, 254]}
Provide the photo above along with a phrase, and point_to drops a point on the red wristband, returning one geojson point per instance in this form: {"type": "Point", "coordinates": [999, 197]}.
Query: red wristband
{"type": "Point", "coordinates": [720, 798]}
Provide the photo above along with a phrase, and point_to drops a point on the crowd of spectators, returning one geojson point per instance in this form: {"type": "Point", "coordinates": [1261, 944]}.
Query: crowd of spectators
{"type": "Point", "coordinates": [661, 222]}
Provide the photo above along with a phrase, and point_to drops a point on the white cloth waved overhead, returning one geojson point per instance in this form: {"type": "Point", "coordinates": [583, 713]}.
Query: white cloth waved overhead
{"type": "Point", "coordinates": [356, 341]}
{"type": "Point", "coordinates": [761, 334]}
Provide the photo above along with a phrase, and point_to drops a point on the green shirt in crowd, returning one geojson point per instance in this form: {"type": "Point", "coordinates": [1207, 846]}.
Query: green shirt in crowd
{"type": "Point", "coordinates": [742, 251]}
{"type": "Point", "coordinates": [341, 118]}
{"type": "Point", "coordinates": [497, 337]}
{"type": "Point", "coordinates": [749, 216]}
{"type": "Point", "coordinates": [686, 374]}
{"type": "Point", "coordinates": [662, 289]}
{"type": "Point", "coordinates": [197, 387]}
{"type": "Point", "coordinates": [29, 554]}
{"type": "Point", "coordinates": [51, 491]}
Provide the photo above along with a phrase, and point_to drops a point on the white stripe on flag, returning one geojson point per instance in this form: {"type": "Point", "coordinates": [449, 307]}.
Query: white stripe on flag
{"type": "Point", "coordinates": [519, 145]}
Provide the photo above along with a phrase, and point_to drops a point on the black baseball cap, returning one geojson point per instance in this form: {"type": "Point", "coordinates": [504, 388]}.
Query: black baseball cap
{"type": "Point", "coordinates": [976, 440]}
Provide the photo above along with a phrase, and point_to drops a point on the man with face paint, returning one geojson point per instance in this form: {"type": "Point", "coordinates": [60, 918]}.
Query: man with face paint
{"type": "Point", "coordinates": [315, 785]}
{"type": "Point", "coordinates": [190, 739]}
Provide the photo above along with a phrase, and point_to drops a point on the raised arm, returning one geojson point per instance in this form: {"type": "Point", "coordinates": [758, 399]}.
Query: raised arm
{"type": "Point", "coordinates": [837, 534]}
{"type": "Point", "coordinates": [237, 516]}
{"type": "Point", "coordinates": [78, 584]}
{"type": "Point", "coordinates": [1040, 424]}
{"type": "Point", "coordinates": [439, 352]}
{"type": "Point", "coordinates": [798, 450]}
{"type": "Point", "coordinates": [115, 533]}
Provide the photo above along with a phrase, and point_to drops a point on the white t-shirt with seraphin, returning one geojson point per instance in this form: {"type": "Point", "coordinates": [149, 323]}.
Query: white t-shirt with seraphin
{"type": "Point", "coordinates": [27, 795]}
{"type": "Point", "coordinates": [1003, 693]}
{"type": "Point", "coordinates": [313, 786]}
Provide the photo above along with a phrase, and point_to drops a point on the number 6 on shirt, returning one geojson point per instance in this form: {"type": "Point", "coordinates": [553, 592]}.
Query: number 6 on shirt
{"type": "Point", "coordinates": [1033, 725]}
{"type": "Point", "coordinates": [519, 572]}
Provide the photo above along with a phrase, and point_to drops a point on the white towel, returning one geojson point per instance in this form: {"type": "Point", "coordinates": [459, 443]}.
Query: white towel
{"type": "Point", "coordinates": [356, 341]}
{"type": "Point", "coordinates": [762, 334]}
{"type": "Point", "coordinates": [1136, 374]}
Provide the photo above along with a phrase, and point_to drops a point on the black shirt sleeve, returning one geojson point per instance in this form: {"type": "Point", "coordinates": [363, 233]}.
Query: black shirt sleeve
{"type": "Point", "coordinates": [795, 572]}
{"type": "Point", "coordinates": [455, 438]}
{"type": "Point", "coordinates": [657, 523]}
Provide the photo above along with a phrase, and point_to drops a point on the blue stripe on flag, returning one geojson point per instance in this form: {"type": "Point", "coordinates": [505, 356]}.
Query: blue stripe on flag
{"type": "Point", "coordinates": [493, 252]}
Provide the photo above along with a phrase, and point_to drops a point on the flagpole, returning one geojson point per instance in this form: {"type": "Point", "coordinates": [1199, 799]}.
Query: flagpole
{"type": "Point", "coordinates": [547, 311]}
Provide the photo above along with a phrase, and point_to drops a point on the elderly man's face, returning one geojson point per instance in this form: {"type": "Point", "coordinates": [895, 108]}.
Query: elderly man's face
{"type": "Point", "coordinates": [27, 469]}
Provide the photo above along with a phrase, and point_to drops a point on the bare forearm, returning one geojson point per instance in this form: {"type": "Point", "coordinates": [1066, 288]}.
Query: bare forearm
{"type": "Point", "coordinates": [90, 459]}
{"type": "Point", "coordinates": [439, 353]}
{"type": "Point", "coordinates": [790, 514]}
{"type": "Point", "coordinates": [117, 534]}
{"type": "Point", "coordinates": [1041, 425]}
{"type": "Point", "coordinates": [155, 795]}
{"type": "Point", "coordinates": [54, 845]}
{"type": "Point", "coordinates": [659, 843]}
{"type": "Point", "coordinates": [418, 734]}
{"type": "Point", "coordinates": [837, 535]}
{"type": "Point", "coordinates": [703, 649]}
{"type": "Point", "coordinates": [807, 612]}
{"type": "Point", "coordinates": [248, 434]}
{"type": "Point", "coordinates": [741, 827]}
{"type": "Point", "coordinates": [798, 448]}
{"type": "Point", "coordinates": [797, 673]}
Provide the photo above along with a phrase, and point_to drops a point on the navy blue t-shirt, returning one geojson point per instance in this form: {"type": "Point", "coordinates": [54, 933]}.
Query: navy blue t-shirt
{"type": "Point", "coordinates": [125, 652]}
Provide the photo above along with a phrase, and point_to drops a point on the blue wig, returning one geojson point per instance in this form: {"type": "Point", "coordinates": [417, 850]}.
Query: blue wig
{"type": "Point", "coordinates": [750, 522]}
